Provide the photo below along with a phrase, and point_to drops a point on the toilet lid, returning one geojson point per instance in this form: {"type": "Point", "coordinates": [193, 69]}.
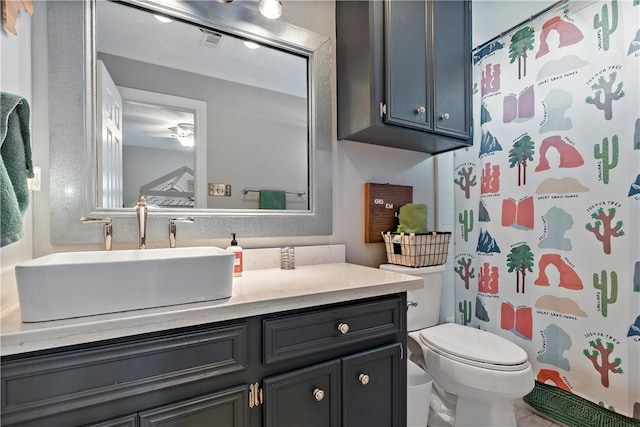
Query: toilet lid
{"type": "Point", "coordinates": [474, 346]}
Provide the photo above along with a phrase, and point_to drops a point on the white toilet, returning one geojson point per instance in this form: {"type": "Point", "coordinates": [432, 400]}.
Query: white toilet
{"type": "Point", "coordinates": [476, 375]}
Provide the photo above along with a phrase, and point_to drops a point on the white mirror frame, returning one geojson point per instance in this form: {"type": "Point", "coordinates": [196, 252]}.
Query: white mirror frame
{"type": "Point", "coordinates": [72, 142]}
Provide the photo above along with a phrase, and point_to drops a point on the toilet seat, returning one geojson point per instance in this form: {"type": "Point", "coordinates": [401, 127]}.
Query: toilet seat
{"type": "Point", "coordinates": [474, 347]}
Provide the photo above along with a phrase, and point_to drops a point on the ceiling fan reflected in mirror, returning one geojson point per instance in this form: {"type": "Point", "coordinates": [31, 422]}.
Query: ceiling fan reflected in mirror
{"type": "Point", "coordinates": [183, 132]}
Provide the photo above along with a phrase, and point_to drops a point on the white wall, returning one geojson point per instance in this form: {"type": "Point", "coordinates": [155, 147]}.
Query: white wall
{"type": "Point", "coordinates": [15, 78]}
{"type": "Point", "coordinates": [491, 17]}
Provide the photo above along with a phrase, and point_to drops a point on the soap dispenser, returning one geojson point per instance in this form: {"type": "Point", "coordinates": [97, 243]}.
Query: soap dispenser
{"type": "Point", "coordinates": [237, 252]}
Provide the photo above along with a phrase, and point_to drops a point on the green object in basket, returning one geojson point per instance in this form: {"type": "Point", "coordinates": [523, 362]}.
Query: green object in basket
{"type": "Point", "coordinates": [413, 218]}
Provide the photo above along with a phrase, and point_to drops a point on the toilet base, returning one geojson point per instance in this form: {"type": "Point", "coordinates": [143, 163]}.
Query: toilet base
{"type": "Point", "coordinates": [472, 412]}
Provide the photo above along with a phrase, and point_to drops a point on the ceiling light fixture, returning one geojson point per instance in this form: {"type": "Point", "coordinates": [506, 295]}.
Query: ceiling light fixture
{"type": "Point", "coordinates": [271, 9]}
{"type": "Point", "coordinates": [250, 45]}
{"type": "Point", "coordinates": [163, 19]}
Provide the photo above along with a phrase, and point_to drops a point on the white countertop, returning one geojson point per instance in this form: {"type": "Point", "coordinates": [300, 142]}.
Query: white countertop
{"type": "Point", "coordinates": [256, 292]}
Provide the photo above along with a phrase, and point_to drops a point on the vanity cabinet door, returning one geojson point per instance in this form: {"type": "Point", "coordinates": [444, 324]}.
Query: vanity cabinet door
{"type": "Point", "coordinates": [371, 388]}
{"type": "Point", "coordinates": [227, 408]}
{"type": "Point", "coordinates": [307, 397]}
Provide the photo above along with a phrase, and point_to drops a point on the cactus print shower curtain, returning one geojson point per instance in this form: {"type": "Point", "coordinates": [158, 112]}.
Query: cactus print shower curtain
{"type": "Point", "coordinates": [547, 237]}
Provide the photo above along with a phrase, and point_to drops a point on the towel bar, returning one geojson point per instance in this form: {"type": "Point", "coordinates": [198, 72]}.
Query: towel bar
{"type": "Point", "coordinates": [245, 191]}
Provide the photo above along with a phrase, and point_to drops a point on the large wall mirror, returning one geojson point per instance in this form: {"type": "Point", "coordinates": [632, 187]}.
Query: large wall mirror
{"type": "Point", "coordinates": [207, 108]}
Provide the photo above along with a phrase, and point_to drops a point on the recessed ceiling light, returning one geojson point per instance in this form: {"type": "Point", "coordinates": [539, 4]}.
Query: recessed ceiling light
{"type": "Point", "coordinates": [163, 19]}
{"type": "Point", "coordinates": [271, 9]}
{"type": "Point", "coordinates": [250, 44]}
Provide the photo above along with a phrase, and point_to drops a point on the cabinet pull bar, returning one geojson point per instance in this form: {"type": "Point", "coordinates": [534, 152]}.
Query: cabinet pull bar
{"type": "Point", "coordinates": [255, 395]}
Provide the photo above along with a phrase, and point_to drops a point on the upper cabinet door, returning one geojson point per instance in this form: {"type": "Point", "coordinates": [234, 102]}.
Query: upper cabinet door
{"type": "Point", "coordinates": [407, 72]}
{"type": "Point", "coordinates": [452, 48]}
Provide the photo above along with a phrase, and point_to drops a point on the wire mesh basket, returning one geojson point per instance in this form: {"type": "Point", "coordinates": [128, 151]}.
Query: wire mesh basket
{"type": "Point", "coordinates": [417, 249]}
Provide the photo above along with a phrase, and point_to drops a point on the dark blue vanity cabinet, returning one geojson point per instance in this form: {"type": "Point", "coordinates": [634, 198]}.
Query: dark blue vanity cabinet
{"type": "Point", "coordinates": [333, 365]}
{"type": "Point", "coordinates": [404, 73]}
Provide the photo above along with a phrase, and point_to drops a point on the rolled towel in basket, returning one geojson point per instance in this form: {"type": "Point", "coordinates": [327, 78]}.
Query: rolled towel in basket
{"type": "Point", "coordinates": [413, 218]}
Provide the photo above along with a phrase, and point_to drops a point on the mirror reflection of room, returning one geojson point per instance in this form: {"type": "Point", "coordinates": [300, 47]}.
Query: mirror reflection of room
{"type": "Point", "coordinates": [200, 111]}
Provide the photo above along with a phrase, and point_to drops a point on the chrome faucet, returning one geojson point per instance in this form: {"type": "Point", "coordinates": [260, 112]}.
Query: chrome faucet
{"type": "Point", "coordinates": [173, 228]}
{"type": "Point", "coordinates": [141, 212]}
{"type": "Point", "coordinates": [107, 230]}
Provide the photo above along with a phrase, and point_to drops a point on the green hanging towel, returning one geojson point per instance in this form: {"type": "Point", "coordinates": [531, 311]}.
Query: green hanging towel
{"type": "Point", "coordinates": [273, 199]}
{"type": "Point", "coordinates": [15, 165]}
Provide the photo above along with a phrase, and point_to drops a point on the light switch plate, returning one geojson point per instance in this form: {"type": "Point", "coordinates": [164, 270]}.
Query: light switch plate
{"type": "Point", "coordinates": [220, 190]}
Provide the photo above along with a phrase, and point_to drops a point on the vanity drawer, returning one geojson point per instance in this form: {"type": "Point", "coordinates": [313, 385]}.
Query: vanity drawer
{"type": "Point", "coordinates": [43, 386]}
{"type": "Point", "coordinates": [296, 335]}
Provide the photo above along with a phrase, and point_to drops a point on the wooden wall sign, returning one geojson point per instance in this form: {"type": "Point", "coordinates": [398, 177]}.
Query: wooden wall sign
{"type": "Point", "coordinates": [382, 203]}
{"type": "Point", "coordinates": [10, 11]}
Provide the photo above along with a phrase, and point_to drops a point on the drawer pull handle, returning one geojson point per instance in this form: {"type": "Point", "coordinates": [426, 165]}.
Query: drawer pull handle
{"type": "Point", "coordinates": [364, 379]}
{"type": "Point", "coordinates": [343, 328]}
{"type": "Point", "coordinates": [318, 394]}
{"type": "Point", "coordinates": [420, 110]}
{"type": "Point", "coordinates": [445, 116]}
{"type": "Point", "coordinates": [412, 304]}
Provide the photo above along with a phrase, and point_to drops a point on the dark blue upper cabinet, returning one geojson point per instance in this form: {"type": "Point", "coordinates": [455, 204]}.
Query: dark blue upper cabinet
{"type": "Point", "coordinates": [404, 73]}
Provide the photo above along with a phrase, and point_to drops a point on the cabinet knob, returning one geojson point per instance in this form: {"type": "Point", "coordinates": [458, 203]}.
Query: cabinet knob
{"type": "Point", "coordinates": [318, 394]}
{"type": "Point", "coordinates": [364, 379]}
{"type": "Point", "coordinates": [420, 110]}
{"type": "Point", "coordinates": [445, 116]}
{"type": "Point", "coordinates": [343, 328]}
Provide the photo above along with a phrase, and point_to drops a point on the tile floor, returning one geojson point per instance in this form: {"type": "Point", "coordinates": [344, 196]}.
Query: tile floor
{"type": "Point", "coordinates": [527, 417]}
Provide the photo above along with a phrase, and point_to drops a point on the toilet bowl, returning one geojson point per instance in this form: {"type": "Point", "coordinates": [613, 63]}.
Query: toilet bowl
{"type": "Point", "coordinates": [476, 374]}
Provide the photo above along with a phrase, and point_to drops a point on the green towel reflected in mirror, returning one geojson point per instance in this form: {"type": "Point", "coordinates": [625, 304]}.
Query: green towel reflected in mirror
{"type": "Point", "coordinates": [273, 199]}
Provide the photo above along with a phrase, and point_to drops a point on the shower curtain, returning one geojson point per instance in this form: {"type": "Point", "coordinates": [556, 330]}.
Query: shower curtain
{"type": "Point", "coordinates": [547, 201]}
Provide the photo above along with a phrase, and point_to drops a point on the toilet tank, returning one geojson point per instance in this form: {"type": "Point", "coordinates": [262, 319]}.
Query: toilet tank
{"type": "Point", "coordinates": [427, 311]}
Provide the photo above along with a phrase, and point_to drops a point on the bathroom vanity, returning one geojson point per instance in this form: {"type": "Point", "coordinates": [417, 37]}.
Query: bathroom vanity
{"type": "Point", "coordinates": [319, 345]}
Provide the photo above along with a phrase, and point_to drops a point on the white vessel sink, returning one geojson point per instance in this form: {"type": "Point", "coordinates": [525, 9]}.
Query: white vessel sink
{"type": "Point", "coordinates": [73, 284]}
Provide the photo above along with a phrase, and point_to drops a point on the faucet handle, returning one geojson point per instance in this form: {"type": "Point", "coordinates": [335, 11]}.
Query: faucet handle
{"type": "Point", "coordinates": [107, 229]}
{"type": "Point", "coordinates": [173, 228]}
